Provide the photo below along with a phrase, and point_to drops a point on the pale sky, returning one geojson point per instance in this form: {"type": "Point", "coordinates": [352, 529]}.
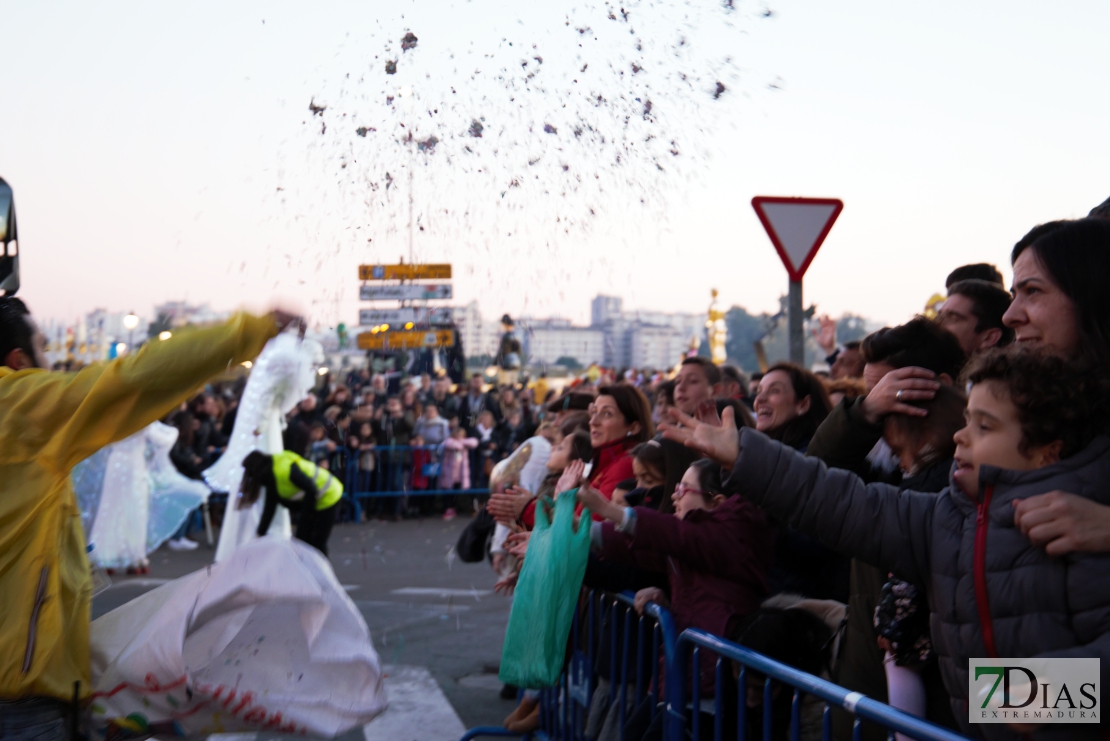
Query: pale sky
{"type": "Point", "coordinates": [146, 145]}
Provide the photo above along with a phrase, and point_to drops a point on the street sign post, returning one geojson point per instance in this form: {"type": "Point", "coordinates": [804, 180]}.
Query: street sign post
{"type": "Point", "coordinates": [404, 340]}
{"type": "Point", "coordinates": [398, 318]}
{"type": "Point", "coordinates": [797, 228]}
{"type": "Point", "coordinates": [406, 292]}
{"type": "Point", "coordinates": [404, 272]}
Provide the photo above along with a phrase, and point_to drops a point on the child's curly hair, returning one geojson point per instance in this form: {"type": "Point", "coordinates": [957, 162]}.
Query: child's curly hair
{"type": "Point", "coordinates": [1054, 400]}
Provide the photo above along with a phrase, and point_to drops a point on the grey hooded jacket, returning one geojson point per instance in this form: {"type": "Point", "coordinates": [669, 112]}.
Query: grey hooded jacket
{"type": "Point", "coordinates": [1038, 606]}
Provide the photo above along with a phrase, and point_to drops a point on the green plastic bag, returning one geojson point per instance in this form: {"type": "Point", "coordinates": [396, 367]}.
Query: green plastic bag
{"type": "Point", "coordinates": [546, 596]}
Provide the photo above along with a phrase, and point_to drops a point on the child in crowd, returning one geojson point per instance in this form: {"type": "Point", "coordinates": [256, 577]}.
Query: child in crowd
{"type": "Point", "coordinates": [715, 549]}
{"type": "Point", "coordinates": [422, 458]}
{"type": "Point", "coordinates": [1031, 428]}
{"type": "Point", "coordinates": [649, 467]}
{"type": "Point", "coordinates": [487, 445]}
{"type": "Point", "coordinates": [573, 447]}
{"type": "Point", "coordinates": [320, 447]}
{"type": "Point", "coordinates": [455, 469]}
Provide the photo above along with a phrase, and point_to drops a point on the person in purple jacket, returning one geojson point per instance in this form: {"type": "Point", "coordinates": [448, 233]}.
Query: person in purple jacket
{"type": "Point", "coordinates": [715, 550]}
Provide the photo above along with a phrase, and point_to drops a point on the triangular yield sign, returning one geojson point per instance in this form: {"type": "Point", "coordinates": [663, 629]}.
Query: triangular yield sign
{"type": "Point", "coordinates": [797, 227]}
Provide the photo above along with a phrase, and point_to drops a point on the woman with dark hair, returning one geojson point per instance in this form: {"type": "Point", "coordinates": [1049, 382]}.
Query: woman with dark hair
{"type": "Point", "coordinates": [1060, 297]}
{"type": "Point", "coordinates": [287, 482]}
{"type": "Point", "coordinates": [1061, 305]}
{"type": "Point", "coordinates": [790, 406]}
{"type": "Point", "coordinates": [620, 419]}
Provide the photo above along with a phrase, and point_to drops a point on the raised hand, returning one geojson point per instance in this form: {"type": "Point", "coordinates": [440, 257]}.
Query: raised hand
{"type": "Point", "coordinates": [517, 543]}
{"type": "Point", "coordinates": [826, 335]}
{"type": "Point", "coordinates": [507, 506]}
{"type": "Point", "coordinates": [721, 444]}
{"type": "Point", "coordinates": [572, 476]}
{"type": "Point", "coordinates": [283, 319]}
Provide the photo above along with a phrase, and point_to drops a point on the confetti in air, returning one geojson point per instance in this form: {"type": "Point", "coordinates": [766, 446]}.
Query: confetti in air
{"type": "Point", "coordinates": [516, 143]}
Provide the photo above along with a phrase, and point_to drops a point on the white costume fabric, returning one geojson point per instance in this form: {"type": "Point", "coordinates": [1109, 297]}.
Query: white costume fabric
{"type": "Point", "coordinates": [132, 499]}
{"type": "Point", "coordinates": [266, 640]}
{"type": "Point", "coordinates": [118, 534]}
{"type": "Point", "coordinates": [282, 376]}
{"type": "Point", "coordinates": [527, 466]}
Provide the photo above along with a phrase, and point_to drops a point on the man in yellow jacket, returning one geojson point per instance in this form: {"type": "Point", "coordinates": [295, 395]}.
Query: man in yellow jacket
{"type": "Point", "coordinates": [48, 423]}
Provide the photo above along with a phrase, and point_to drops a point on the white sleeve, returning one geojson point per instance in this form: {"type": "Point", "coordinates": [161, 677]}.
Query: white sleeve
{"type": "Point", "coordinates": [497, 545]}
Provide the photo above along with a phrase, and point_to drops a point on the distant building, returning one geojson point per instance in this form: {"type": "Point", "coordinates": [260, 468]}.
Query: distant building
{"type": "Point", "coordinates": [479, 336]}
{"type": "Point", "coordinates": [655, 347]}
{"type": "Point", "coordinates": [644, 339]}
{"type": "Point", "coordinates": [546, 341]}
{"type": "Point", "coordinates": [616, 338]}
{"type": "Point", "coordinates": [604, 308]}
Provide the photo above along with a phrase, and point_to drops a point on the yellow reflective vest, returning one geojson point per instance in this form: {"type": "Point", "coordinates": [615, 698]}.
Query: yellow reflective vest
{"type": "Point", "coordinates": [329, 490]}
{"type": "Point", "coordinates": [49, 421]}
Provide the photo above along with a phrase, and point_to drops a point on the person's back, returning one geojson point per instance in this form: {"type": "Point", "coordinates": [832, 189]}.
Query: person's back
{"type": "Point", "coordinates": [48, 423]}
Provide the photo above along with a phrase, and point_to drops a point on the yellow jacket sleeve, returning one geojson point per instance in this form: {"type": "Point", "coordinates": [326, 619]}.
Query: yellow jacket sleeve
{"type": "Point", "coordinates": [63, 418]}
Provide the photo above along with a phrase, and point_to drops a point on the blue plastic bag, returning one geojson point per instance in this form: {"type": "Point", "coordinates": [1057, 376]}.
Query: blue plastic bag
{"type": "Point", "coordinates": [546, 596]}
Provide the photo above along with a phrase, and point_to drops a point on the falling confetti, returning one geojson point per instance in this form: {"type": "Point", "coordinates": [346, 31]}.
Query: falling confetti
{"type": "Point", "coordinates": [516, 137]}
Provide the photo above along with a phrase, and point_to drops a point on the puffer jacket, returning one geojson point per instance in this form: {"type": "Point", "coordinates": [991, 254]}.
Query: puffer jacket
{"type": "Point", "coordinates": [991, 591]}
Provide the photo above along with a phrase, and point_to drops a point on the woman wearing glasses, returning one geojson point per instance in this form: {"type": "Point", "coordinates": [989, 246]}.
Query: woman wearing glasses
{"type": "Point", "coordinates": [715, 551]}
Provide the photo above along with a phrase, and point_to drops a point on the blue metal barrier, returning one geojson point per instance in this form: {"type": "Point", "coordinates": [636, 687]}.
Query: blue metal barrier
{"type": "Point", "coordinates": [633, 640]}
{"type": "Point", "coordinates": [692, 641]}
{"type": "Point", "coordinates": [638, 648]}
{"type": "Point", "coordinates": [393, 471]}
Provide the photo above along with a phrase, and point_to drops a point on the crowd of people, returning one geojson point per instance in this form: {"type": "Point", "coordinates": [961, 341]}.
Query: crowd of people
{"type": "Point", "coordinates": [940, 493]}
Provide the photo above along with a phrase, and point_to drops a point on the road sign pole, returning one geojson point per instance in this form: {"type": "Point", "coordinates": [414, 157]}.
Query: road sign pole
{"type": "Point", "coordinates": [796, 321]}
{"type": "Point", "coordinates": [797, 227]}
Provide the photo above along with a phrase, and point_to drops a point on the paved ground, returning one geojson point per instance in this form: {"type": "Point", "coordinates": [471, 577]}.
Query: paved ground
{"type": "Point", "coordinates": [424, 607]}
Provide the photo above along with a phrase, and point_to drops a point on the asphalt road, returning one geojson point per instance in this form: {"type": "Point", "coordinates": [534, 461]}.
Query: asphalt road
{"type": "Point", "coordinates": [424, 607]}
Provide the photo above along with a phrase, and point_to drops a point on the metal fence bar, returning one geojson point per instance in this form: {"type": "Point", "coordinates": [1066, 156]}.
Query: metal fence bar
{"type": "Point", "coordinates": [864, 708]}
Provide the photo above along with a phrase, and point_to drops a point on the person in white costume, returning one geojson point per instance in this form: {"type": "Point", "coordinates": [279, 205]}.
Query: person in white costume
{"type": "Point", "coordinates": [133, 499]}
{"type": "Point", "coordinates": [283, 375]}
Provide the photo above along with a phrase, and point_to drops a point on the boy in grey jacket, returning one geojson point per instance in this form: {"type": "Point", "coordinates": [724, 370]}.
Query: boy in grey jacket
{"type": "Point", "coordinates": [991, 593]}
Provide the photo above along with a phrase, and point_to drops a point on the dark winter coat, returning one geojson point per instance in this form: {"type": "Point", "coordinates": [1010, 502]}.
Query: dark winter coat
{"type": "Point", "coordinates": [967, 554]}
{"type": "Point", "coordinates": [716, 562]}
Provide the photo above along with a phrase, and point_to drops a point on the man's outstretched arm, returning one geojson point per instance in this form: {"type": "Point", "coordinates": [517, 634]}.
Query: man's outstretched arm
{"type": "Point", "coordinates": [65, 417]}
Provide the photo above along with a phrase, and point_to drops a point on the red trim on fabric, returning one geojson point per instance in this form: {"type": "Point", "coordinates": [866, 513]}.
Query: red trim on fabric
{"type": "Point", "coordinates": [980, 572]}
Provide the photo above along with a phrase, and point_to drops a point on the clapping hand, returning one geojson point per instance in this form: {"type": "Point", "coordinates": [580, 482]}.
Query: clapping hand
{"type": "Point", "coordinates": [719, 443]}
{"type": "Point", "coordinates": [517, 543]}
{"type": "Point", "coordinates": [506, 507]}
{"type": "Point", "coordinates": [507, 584]}
{"type": "Point", "coordinates": [572, 476]}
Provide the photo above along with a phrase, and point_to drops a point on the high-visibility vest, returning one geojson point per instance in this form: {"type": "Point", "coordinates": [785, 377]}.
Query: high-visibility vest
{"type": "Point", "coordinates": [329, 488]}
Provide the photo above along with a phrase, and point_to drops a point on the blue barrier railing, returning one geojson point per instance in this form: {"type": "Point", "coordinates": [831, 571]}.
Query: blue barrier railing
{"type": "Point", "coordinates": [692, 641]}
{"type": "Point", "coordinates": [645, 663]}
{"type": "Point", "coordinates": [616, 659]}
{"type": "Point", "coordinates": [401, 471]}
